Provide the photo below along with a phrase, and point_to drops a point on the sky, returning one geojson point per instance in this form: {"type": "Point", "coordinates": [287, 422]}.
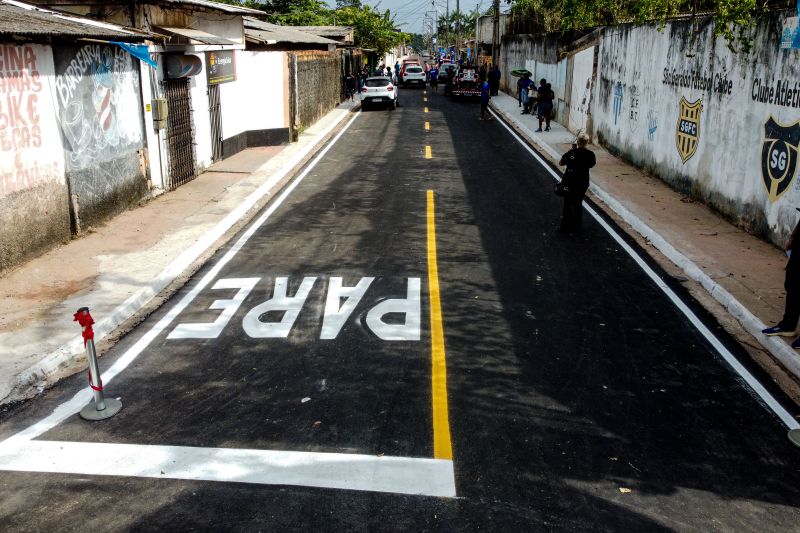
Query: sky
{"type": "Point", "coordinates": [409, 14]}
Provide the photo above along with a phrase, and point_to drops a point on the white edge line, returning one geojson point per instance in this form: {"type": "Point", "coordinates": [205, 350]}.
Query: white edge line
{"type": "Point", "coordinates": [136, 301]}
{"type": "Point", "coordinates": [688, 266]}
{"type": "Point", "coordinates": [399, 475]}
{"type": "Point", "coordinates": [82, 397]}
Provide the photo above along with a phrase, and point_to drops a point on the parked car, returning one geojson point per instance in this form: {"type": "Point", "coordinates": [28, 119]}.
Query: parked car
{"type": "Point", "coordinates": [379, 90]}
{"type": "Point", "coordinates": [414, 75]}
{"type": "Point", "coordinates": [406, 64]}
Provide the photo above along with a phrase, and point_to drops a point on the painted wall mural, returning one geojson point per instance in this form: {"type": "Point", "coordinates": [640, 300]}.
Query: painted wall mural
{"type": "Point", "coordinates": [730, 121]}
{"type": "Point", "coordinates": [30, 148]}
{"type": "Point", "coordinates": [97, 90]}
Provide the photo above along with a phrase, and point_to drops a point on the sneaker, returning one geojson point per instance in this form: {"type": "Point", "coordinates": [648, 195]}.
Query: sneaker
{"type": "Point", "coordinates": [780, 332]}
{"type": "Point", "coordinates": [540, 129]}
{"type": "Point", "coordinates": [547, 128]}
{"type": "Point", "coordinates": [796, 344]}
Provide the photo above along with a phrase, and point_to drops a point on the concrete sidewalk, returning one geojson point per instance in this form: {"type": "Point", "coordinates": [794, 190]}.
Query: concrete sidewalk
{"type": "Point", "coordinates": [127, 267]}
{"type": "Point", "coordinates": [735, 275]}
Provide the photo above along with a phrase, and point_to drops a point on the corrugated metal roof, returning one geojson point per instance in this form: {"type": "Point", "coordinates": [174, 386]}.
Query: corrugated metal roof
{"type": "Point", "coordinates": [265, 33]}
{"type": "Point", "coordinates": [228, 8]}
{"type": "Point", "coordinates": [17, 18]}
{"type": "Point", "coordinates": [327, 31]}
{"type": "Point", "coordinates": [193, 35]}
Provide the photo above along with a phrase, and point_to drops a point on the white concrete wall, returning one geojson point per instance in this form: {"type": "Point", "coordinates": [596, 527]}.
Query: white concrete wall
{"type": "Point", "coordinates": [643, 74]}
{"type": "Point", "coordinates": [256, 100]}
{"type": "Point", "coordinates": [581, 90]}
{"type": "Point", "coordinates": [30, 144]}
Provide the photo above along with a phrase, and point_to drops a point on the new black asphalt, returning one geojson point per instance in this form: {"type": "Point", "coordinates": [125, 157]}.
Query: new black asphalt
{"type": "Point", "coordinates": [580, 398]}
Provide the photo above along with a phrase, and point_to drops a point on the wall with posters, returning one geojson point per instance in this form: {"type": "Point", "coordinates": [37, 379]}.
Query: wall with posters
{"type": "Point", "coordinates": [34, 208]}
{"type": "Point", "coordinates": [720, 126]}
{"type": "Point", "coordinates": [99, 107]}
{"type": "Point", "coordinates": [255, 106]}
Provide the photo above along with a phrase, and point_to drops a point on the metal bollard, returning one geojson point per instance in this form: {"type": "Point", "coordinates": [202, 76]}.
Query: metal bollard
{"type": "Point", "coordinates": [794, 436]}
{"type": "Point", "coordinates": [99, 408]}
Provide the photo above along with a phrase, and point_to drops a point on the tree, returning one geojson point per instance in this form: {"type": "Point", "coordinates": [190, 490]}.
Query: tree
{"type": "Point", "coordinates": [373, 30]}
{"type": "Point", "coordinates": [733, 17]}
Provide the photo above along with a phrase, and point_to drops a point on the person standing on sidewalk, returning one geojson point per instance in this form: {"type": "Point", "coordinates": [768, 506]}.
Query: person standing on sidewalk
{"type": "Point", "coordinates": [544, 107]}
{"type": "Point", "coordinates": [494, 77]}
{"type": "Point", "coordinates": [791, 314]}
{"type": "Point", "coordinates": [350, 85]}
{"type": "Point", "coordinates": [485, 97]}
{"type": "Point", "coordinates": [576, 179]}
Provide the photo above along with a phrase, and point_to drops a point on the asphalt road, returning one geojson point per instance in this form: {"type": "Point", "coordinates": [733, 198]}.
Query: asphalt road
{"type": "Point", "coordinates": [570, 393]}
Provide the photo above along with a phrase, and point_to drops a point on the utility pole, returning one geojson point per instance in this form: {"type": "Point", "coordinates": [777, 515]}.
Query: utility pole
{"type": "Point", "coordinates": [496, 32]}
{"type": "Point", "coordinates": [447, 20]}
{"type": "Point", "coordinates": [458, 31]}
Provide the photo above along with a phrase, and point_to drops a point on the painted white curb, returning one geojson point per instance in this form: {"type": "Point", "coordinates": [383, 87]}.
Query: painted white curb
{"type": "Point", "coordinates": [779, 349]}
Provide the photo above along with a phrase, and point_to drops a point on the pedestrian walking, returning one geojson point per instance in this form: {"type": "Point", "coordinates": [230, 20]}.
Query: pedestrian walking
{"type": "Point", "coordinates": [575, 183]}
{"type": "Point", "coordinates": [397, 72]}
{"type": "Point", "coordinates": [525, 85]}
{"type": "Point", "coordinates": [433, 75]}
{"type": "Point", "coordinates": [544, 103]}
{"type": "Point", "coordinates": [791, 283]}
{"type": "Point", "coordinates": [485, 97]}
{"type": "Point", "coordinates": [350, 85]}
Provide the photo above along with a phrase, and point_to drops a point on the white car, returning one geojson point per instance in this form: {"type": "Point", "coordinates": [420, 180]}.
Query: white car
{"type": "Point", "coordinates": [414, 75]}
{"type": "Point", "coordinates": [379, 90]}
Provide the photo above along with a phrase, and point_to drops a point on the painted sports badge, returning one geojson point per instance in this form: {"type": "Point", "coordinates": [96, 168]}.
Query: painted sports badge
{"type": "Point", "coordinates": [687, 131]}
{"type": "Point", "coordinates": [779, 157]}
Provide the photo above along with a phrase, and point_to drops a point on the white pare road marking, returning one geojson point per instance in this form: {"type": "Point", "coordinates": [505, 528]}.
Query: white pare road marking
{"type": "Point", "coordinates": [401, 475]}
{"type": "Point", "coordinates": [334, 316]}
{"type": "Point", "coordinates": [745, 374]}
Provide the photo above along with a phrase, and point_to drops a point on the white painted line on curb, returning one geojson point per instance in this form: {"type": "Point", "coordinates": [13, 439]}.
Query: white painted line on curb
{"type": "Point", "coordinates": [745, 374]}
{"type": "Point", "coordinates": [400, 475]}
{"type": "Point", "coordinates": [135, 302]}
{"type": "Point", "coordinates": [80, 399]}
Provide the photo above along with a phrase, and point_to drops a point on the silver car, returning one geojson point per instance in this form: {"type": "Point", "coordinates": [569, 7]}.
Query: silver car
{"type": "Point", "coordinates": [379, 90]}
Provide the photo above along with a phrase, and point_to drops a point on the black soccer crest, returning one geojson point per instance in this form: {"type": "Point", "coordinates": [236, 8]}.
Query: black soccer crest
{"type": "Point", "coordinates": [779, 157]}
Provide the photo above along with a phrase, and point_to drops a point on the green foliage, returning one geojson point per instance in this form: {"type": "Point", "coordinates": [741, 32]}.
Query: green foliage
{"type": "Point", "coordinates": [733, 17]}
{"type": "Point", "coordinates": [447, 26]}
{"type": "Point", "coordinates": [373, 29]}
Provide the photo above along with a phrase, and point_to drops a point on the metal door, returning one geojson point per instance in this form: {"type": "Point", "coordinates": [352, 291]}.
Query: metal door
{"type": "Point", "coordinates": [180, 133]}
{"type": "Point", "coordinates": [214, 109]}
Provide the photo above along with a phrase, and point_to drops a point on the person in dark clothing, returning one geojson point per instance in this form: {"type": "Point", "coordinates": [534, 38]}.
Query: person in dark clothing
{"type": "Point", "coordinates": [576, 178]}
{"type": "Point", "coordinates": [791, 314]}
{"type": "Point", "coordinates": [433, 76]}
{"type": "Point", "coordinates": [485, 97]}
{"type": "Point", "coordinates": [544, 103]}
{"type": "Point", "coordinates": [448, 82]}
{"type": "Point", "coordinates": [350, 85]}
{"type": "Point", "coordinates": [494, 80]}
{"type": "Point", "coordinates": [482, 73]}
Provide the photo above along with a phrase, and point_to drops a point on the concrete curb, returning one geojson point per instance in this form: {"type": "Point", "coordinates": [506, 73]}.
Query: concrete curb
{"type": "Point", "coordinates": [779, 349]}
{"type": "Point", "coordinates": [39, 372]}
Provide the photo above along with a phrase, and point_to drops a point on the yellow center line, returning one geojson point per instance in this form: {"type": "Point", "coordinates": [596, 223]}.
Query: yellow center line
{"type": "Point", "coordinates": [427, 126]}
{"type": "Point", "coordinates": [442, 447]}
{"type": "Point", "coordinates": [428, 153]}
{"type": "Point", "coordinates": [426, 109]}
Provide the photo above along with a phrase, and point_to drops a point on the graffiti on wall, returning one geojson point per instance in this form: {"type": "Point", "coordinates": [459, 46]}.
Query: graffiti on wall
{"type": "Point", "coordinates": [28, 156]}
{"type": "Point", "coordinates": [652, 125]}
{"type": "Point", "coordinates": [633, 112]}
{"type": "Point", "coordinates": [618, 94]}
{"type": "Point", "coordinates": [90, 87]}
{"type": "Point", "coordinates": [779, 157]}
{"type": "Point", "coordinates": [687, 130]}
